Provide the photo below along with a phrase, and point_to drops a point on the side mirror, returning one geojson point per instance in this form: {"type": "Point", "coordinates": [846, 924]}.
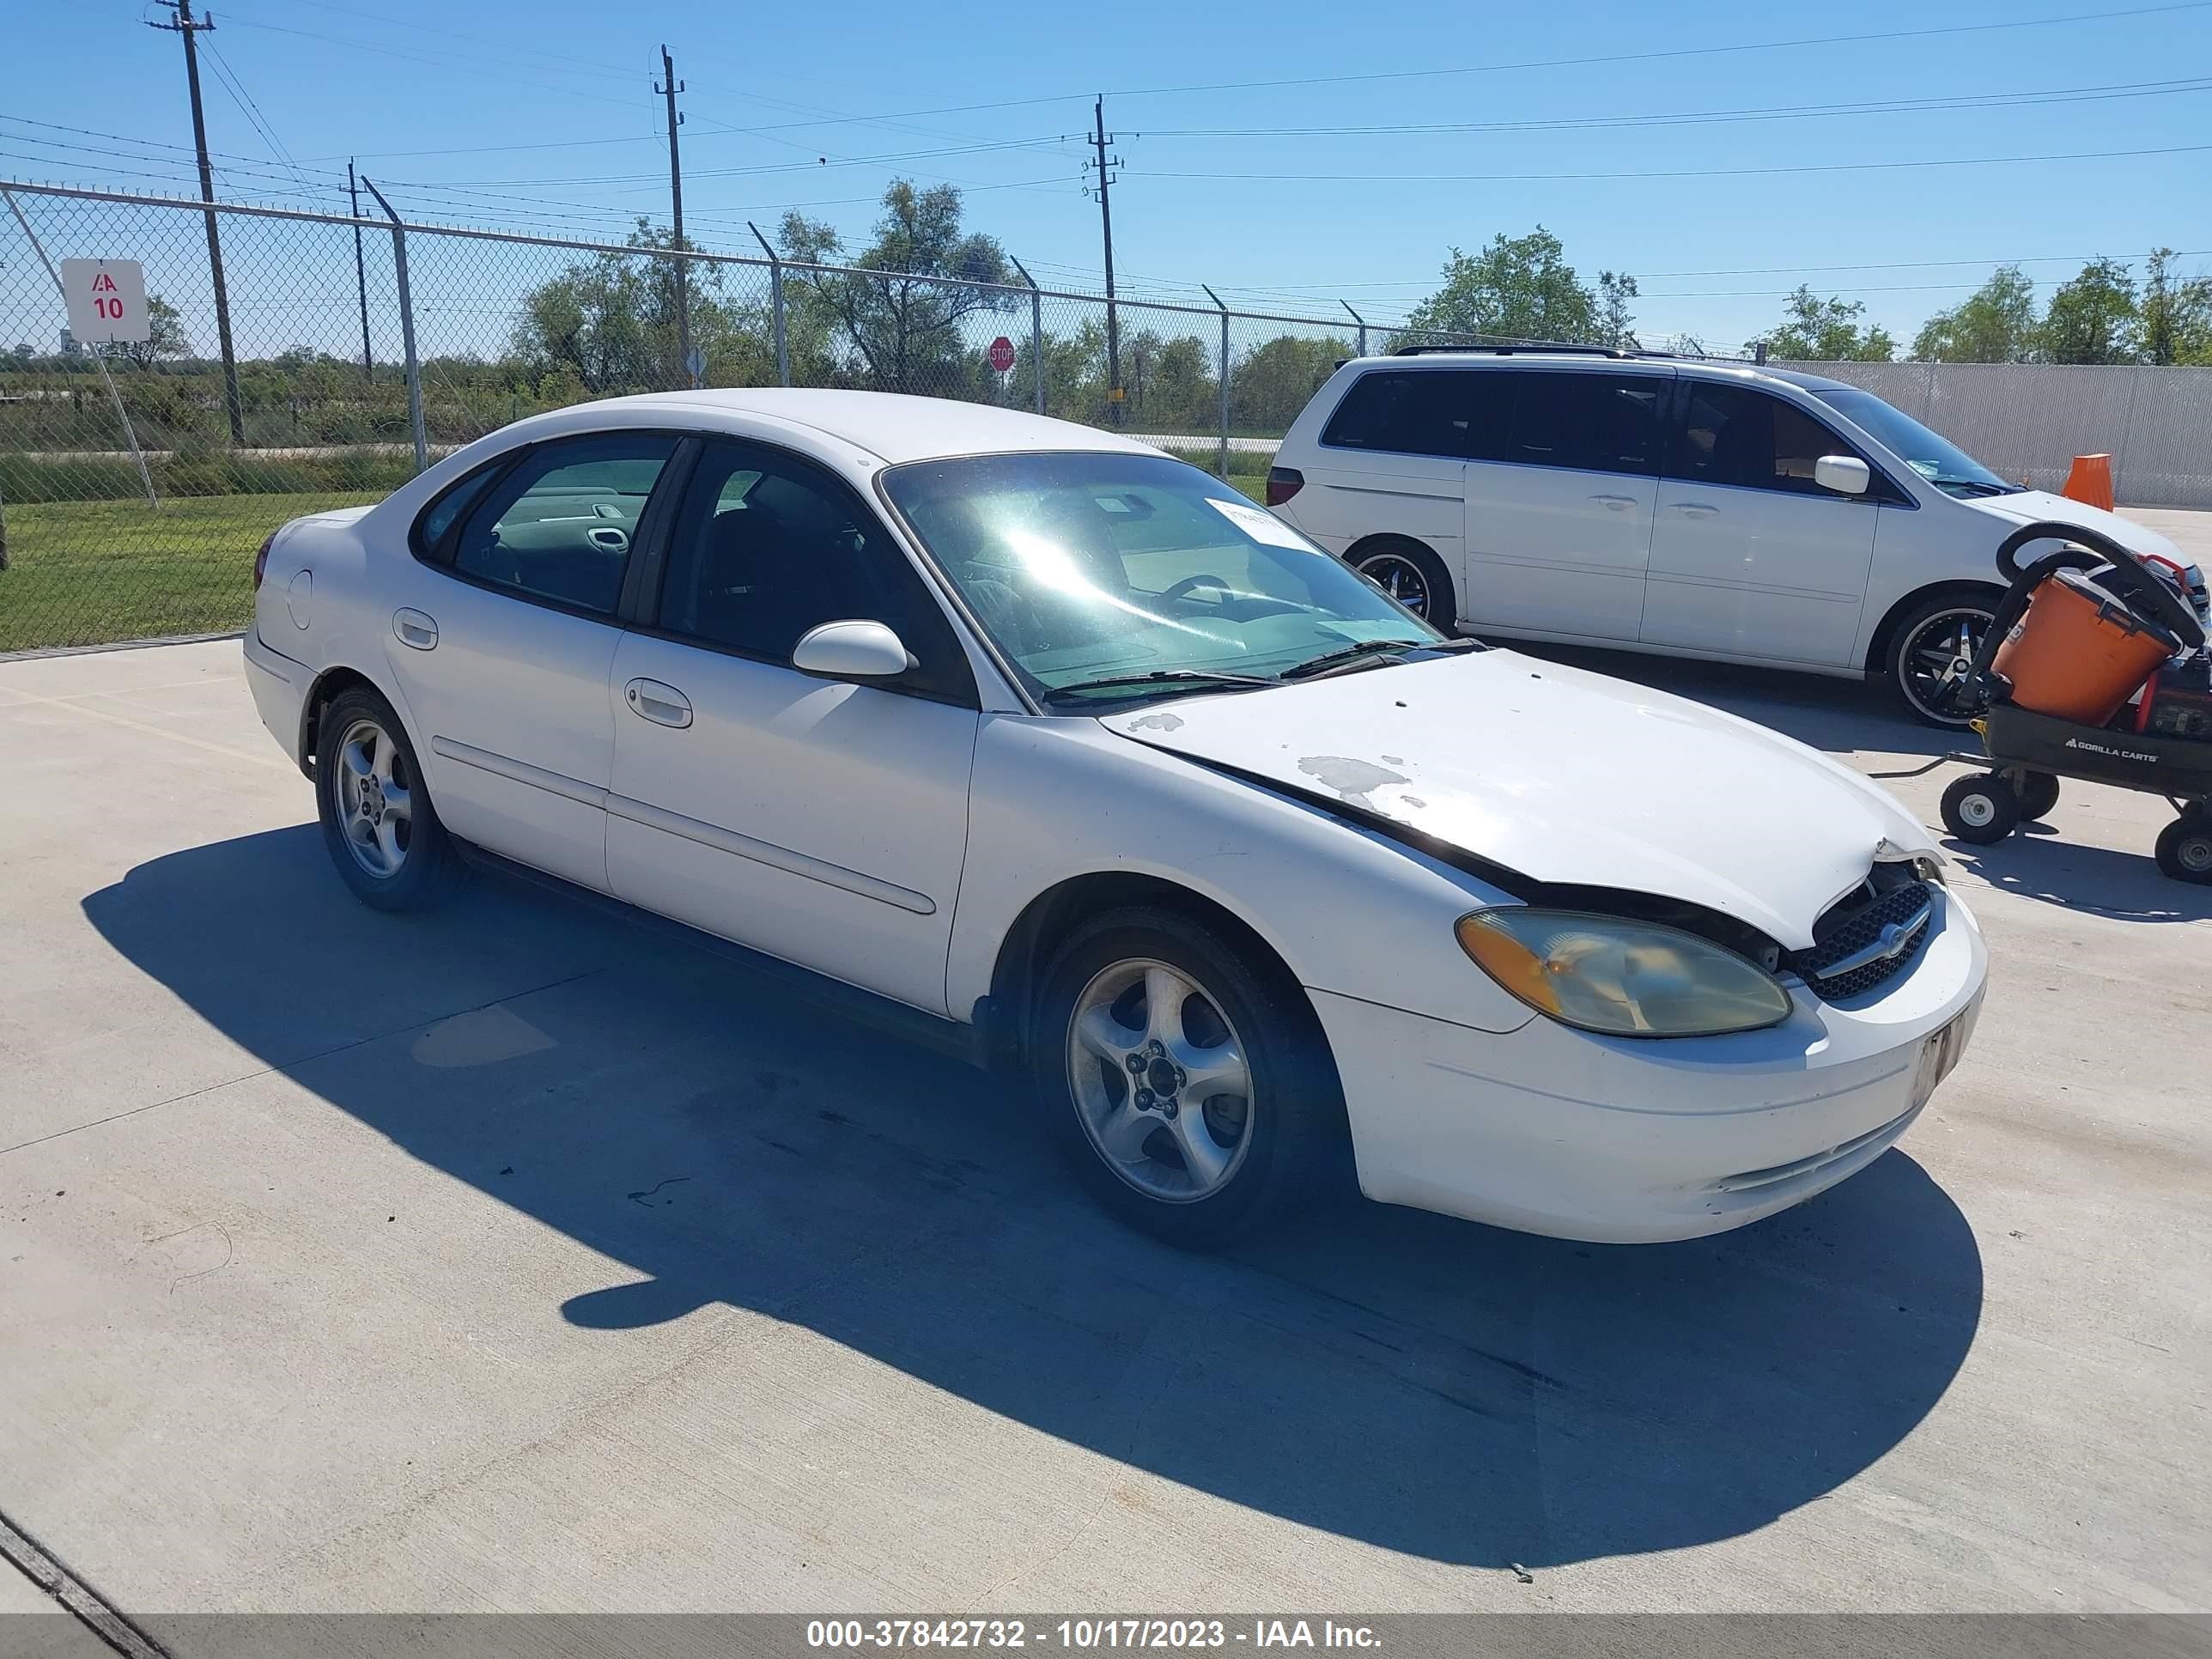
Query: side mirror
{"type": "Point", "coordinates": [851, 650]}
{"type": "Point", "coordinates": [1847, 475]}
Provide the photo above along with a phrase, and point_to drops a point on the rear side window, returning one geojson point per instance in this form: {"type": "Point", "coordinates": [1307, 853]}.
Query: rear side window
{"type": "Point", "coordinates": [1596, 423]}
{"type": "Point", "coordinates": [1444, 412]}
{"type": "Point", "coordinates": [558, 525]}
{"type": "Point", "coordinates": [439, 518]}
{"type": "Point", "coordinates": [1739, 436]}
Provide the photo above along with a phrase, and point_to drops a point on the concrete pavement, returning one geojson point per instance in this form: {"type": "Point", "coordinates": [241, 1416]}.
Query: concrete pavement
{"type": "Point", "coordinates": [512, 1258]}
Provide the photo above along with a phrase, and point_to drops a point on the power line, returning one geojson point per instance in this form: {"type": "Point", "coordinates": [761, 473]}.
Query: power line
{"type": "Point", "coordinates": [1673, 173]}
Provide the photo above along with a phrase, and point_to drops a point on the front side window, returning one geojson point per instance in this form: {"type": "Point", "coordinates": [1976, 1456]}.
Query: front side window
{"type": "Point", "coordinates": [1593, 421]}
{"type": "Point", "coordinates": [1740, 435]}
{"type": "Point", "coordinates": [558, 525]}
{"type": "Point", "coordinates": [1101, 575]}
{"type": "Point", "coordinates": [1409, 411]}
{"type": "Point", "coordinates": [767, 548]}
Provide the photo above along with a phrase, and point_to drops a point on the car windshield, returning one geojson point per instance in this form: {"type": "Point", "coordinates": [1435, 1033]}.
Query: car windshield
{"type": "Point", "coordinates": [1105, 576]}
{"type": "Point", "coordinates": [1931, 454]}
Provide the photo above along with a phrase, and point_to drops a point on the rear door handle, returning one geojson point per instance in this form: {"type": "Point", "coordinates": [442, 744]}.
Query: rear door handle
{"type": "Point", "coordinates": [415, 628]}
{"type": "Point", "coordinates": [1694, 509]}
{"type": "Point", "coordinates": [662, 704]}
{"type": "Point", "coordinates": [1616, 503]}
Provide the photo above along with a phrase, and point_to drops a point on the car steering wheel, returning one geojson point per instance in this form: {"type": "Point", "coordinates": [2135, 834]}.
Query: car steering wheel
{"type": "Point", "coordinates": [1190, 584]}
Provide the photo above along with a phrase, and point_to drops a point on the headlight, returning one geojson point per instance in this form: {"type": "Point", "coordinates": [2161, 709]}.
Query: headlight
{"type": "Point", "coordinates": [1621, 978]}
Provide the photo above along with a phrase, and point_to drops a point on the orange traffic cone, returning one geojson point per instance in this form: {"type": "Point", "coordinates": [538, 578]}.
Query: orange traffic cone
{"type": "Point", "coordinates": [2091, 481]}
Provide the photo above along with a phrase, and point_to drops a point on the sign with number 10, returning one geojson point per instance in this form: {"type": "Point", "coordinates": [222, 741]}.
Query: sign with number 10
{"type": "Point", "coordinates": [107, 301]}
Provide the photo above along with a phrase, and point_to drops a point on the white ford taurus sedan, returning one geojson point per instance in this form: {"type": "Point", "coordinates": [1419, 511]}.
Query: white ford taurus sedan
{"type": "Point", "coordinates": [1062, 751]}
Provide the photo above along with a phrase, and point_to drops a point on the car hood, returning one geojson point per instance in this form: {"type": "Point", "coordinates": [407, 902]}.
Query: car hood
{"type": "Point", "coordinates": [2028, 506]}
{"type": "Point", "coordinates": [1562, 777]}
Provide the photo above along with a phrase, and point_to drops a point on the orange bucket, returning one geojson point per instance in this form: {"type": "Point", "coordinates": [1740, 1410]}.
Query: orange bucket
{"type": "Point", "coordinates": [2090, 481]}
{"type": "Point", "coordinates": [2078, 653]}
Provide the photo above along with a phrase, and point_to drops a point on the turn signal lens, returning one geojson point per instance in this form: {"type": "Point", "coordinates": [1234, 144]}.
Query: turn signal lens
{"type": "Point", "coordinates": [1621, 978]}
{"type": "Point", "coordinates": [261, 561]}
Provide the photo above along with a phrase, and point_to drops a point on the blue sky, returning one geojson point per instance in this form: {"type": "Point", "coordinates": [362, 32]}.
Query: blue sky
{"type": "Point", "coordinates": [1283, 220]}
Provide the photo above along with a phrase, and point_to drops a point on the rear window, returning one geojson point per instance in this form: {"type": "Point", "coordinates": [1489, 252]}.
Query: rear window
{"type": "Point", "coordinates": [1452, 413]}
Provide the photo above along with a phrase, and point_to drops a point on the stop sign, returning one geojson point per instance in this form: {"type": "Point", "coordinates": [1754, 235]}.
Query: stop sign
{"type": "Point", "coordinates": [1002, 353]}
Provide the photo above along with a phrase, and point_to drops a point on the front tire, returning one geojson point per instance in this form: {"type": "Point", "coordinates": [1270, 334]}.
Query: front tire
{"type": "Point", "coordinates": [1930, 655]}
{"type": "Point", "coordinates": [1981, 808]}
{"type": "Point", "coordinates": [1191, 1089]}
{"type": "Point", "coordinates": [378, 825]}
{"type": "Point", "coordinates": [1410, 573]}
{"type": "Point", "coordinates": [2185, 847]}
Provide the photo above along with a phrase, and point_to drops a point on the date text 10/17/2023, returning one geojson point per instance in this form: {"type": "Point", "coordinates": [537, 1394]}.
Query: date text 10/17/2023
{"type": "Point", "coordinates": [1086, 1635]}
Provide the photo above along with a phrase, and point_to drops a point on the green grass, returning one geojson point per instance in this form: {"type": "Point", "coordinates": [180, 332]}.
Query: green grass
{"type": "Point", "coordinates": [90, 573]}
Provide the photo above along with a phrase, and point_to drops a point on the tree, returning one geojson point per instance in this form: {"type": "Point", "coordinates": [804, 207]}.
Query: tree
{"type": "Point", "coordinates": [1279, 378]}
{"type": "Point", "coordinates": [1995, 324]}
{"type": "Point", "coordinates": [903, 326]}
{"type": "Point", "coordinates": [2176, 315]}
{"type": "Point", "coordinates": [1517, 288]}
{"type": "Point", "coordinates": [608, 325]}
{"type": "Point", "coordinates": [1615, 326]}
{"type": "Point", "coordinates": [2093, 318]}
{"type": "Point", "coordinates": [1828, 330]}
{"type": "Point", "coordinates": [166, 340]}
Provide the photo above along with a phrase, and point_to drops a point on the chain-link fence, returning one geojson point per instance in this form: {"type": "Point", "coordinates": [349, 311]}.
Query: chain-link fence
{"type": "Point", "coordinates": [135, 481]}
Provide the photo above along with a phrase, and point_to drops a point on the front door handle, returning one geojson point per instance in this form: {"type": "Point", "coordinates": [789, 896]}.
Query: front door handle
{"type": "Point", "coordinates": [664, 705]}
{"type": "Point", "coordinates": [415, 628]}
{"type": "Point", "coordinates": [1694, 509]}
{"type": "Point", "coordinates": [1616, 503]}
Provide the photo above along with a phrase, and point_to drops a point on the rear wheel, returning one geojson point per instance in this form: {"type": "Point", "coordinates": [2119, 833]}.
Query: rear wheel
{"type": "Point", "coordinates": [1981, 808]}
{"type": "Point", "coordinates": [1410, 573]}
{"type": "Point", "coordinates": [2038, 794]}
{"type": "Point", "coordinates": [2185, 847]}
{"type": "Point", "coordinates": [1930, 657]}
{"type": "Point", "coordinates": [378, 825]}
{"type": "Point", "coordinates": [1191, 1089]}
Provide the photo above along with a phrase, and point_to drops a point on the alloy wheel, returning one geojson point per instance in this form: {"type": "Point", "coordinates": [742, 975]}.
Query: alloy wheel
{"type": "Point", "coordinates": [1160, 1080]}
{"type": "Point", "coordinates": [1935, 665]}
{"type": "Point", "coordinates": [1400, 578]}
{"type": "Point", "coordinates": [375, 799]}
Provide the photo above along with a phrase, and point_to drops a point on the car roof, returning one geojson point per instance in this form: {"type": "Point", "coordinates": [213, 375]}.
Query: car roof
{"type": "Point", "coordinates": [894, 427]}
{"type": "Point", "coordinates": [1534, 357]}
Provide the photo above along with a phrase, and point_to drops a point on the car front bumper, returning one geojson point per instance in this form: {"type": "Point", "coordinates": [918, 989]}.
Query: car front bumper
{"type": "Point", "coordinates": [280, 687]}
{"type": "Point", "coordinates": [1546, 1129]}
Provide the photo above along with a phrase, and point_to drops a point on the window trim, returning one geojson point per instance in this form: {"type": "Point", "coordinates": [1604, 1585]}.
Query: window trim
{"type": "Point", "coordinates": [441, 557]}
{"type": "Point", "coordinates": [652, 591]}
{"type": "Point", "coordinates": [1884, 490]}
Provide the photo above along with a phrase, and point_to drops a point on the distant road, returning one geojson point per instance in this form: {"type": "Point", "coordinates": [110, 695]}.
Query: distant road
{"type": "Point", "coordinates": [1208, 440]}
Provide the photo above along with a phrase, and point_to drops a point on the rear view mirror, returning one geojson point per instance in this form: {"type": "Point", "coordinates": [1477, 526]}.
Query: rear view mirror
{"type": "Point", "coordinates": [851, 650]}
{"type": "Point", "coordinates": [1847, 475]}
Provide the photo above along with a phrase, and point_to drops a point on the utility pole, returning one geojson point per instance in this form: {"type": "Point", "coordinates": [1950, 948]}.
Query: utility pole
{"type": "Point", "coordinates": [1099, 141]}
{"type": "Point", "coordinates": [669, 87]}
{"type": "Point", "coordinates": [360, 276]}
{"type": "Point", "coordinates": [186, 27]}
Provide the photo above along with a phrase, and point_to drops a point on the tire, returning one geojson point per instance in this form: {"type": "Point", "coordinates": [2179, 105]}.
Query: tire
{"type": "Point", "coordinates": [1408, 571]}
{"type": "Point", "coordinates": [1263, 1152]}
{"type": "Point", "coordinates": [2038, 795]}
{"type": "Point", "coordinates": [378, 825]}
{"type": "Point", "coordinates": [2185, 847]}
{"type": "Point", "coordinates": [1933, 692]}
{"type": "Point", "coordinates": [1981, 808]}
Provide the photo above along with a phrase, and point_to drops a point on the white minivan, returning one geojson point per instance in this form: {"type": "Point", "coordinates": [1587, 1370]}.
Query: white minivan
{"type": "Point", "coordinates": [1683, 507]}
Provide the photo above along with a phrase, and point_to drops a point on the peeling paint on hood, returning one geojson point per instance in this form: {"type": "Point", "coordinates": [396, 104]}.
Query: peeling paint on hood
{"type": "Point", "coordinates": [1565, 776]}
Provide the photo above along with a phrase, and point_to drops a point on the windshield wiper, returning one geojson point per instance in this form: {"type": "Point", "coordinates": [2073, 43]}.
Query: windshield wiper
{"type": "Point", "coordinates": [1352, 653]}
{"type": "Point", "coordinates": [1163, 676]}
{"type": "Point", "coordinates": [1977, 484]}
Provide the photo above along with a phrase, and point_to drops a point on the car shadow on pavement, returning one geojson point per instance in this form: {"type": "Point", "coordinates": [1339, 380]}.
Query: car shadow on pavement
{"type": "Point", "coordinates": [1423, 1385]}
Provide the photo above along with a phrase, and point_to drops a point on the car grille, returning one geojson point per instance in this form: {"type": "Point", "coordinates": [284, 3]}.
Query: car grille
{"type": "Point", "coordinates": [1865, 942]}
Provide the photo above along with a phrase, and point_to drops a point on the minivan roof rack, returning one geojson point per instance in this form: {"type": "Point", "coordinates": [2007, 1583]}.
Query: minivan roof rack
{"type": "Point", "coordinates": [1510, 350]}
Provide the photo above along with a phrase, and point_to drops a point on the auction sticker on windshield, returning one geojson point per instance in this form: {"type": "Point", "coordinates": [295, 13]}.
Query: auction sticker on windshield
{"type": "Point", "coordinates": [1262, 526]}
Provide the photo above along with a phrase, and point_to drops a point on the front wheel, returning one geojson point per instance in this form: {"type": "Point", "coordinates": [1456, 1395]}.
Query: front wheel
{"type": "Point", "coordinates": [1931, 657]}
{"type": "Point", "coordinates": [1410, 573]}
{"type": "Point", "coordinates": [378, 825]}
{"type": "Point", "coordinates": [1192, 1089]}
{"type": "Point", "coordinates": [2185, 847]}
{"type": "Point", "coordinates": [1981, 808]}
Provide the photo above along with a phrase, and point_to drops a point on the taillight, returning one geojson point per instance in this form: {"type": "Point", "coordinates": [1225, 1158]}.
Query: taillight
{"type": "Point", "coordinates": [261, 561]}
{"type": "Point", "coordinates": [1282, 482]}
